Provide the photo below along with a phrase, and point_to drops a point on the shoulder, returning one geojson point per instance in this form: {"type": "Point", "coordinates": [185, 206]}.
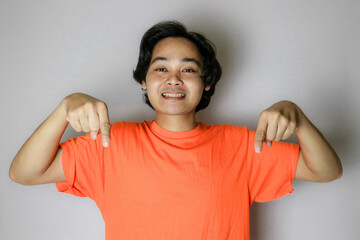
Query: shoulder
{"type": "Point", "coordinates": [121, 125]}
{"type": "Point", "coordinates": [227, 129]}
{"type": "Point", "coordinates": [227, 132]}
{"type": "Point", "coordinates": [128, 128]}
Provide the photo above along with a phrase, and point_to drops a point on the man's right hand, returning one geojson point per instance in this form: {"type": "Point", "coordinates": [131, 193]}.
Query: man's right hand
{"type": "Point", "coordinates": [39, 160]}
{"type": "Point", "coordinates": [88, 114]}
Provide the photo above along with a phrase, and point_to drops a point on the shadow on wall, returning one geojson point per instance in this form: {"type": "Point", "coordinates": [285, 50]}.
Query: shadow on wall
{"type": "Point", "coordinates": [230, 45]}
{"type": "Point", "coordinates": [329, 107]}
{"type": "Point", "coordinates": [331, 110]}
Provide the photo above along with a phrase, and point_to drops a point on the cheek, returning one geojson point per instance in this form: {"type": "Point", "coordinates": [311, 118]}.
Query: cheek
{"type": "Point", "coordinates": [198, 87]}
{"type": "Point", "coordinates": [153, 82]}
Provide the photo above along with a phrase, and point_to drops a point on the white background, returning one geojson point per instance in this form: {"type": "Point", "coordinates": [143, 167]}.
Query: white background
{"type": "Point", "coordinates": [304, 51]}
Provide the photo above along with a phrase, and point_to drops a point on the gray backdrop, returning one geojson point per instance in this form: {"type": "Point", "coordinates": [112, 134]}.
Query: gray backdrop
{"type": "Point", "coordinates": [304, 51]}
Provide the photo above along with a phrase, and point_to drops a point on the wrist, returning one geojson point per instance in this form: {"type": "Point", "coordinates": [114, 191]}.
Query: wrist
{"type": "Point", "coordinates": [60, 112]}
{"type": "Point", "coordinates": [302, 120]}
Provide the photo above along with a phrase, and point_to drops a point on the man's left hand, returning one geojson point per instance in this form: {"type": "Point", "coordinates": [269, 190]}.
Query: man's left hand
{"type": "Point", "coordinates": [276, 123]}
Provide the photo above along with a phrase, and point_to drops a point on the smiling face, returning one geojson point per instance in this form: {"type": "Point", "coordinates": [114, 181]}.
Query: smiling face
{"type": "Point", "coordinates": [173, 81]}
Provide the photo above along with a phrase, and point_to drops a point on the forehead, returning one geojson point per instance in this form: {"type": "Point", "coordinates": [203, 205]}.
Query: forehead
{"type": "Point", "coordinates": [176, 47]}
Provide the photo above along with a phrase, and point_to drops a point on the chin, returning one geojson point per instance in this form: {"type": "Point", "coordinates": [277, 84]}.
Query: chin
{"type": "Point", "coordinates": [176, 111]}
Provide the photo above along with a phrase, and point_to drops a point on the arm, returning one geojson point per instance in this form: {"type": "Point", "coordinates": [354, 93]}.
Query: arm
{"type": "Point", "coordinates": [318, 161]}
{"type": "Point", "coordinates": [39, 159]}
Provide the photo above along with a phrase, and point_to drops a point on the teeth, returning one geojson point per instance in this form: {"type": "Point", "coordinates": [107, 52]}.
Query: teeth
{"type": "Point", "coordinates": [173, 94]}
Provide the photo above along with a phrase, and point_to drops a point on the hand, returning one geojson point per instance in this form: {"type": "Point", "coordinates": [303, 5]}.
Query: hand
{"type": "Point", "coordinates": [276, 123]}
{"type": "Point", "coordinates": [88, 114]}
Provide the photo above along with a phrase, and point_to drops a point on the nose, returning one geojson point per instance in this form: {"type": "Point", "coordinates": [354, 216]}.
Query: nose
{"type": "Point", "coordinates": [174, 80]}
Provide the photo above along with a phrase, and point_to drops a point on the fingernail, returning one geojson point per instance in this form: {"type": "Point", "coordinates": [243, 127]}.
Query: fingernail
{"type": "Point", "coordinates": [106, 143]}
{"type": "Point", "coordinates": [93, 135]}
{"type": "Point", "coordinates": [257, 149]}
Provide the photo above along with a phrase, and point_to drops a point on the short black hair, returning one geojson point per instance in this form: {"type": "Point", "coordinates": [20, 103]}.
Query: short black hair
{"type": "Point", "coordinates": [211, 71]}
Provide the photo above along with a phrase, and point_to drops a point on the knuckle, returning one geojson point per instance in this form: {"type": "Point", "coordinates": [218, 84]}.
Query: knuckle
{"type": "Point", "coordinates": [284, 120]}
{"type": "Point", "coordinates": [278, 138]}
{"type": "Point", "coordinates": [264, 113]}
{"type": "Point", "coordinates": [101, 106]}
{"type": "Point", "coordinates": [259, 135]}
{"type": "Point", "coordinates": [276, 115]}
{"type": "Point", "coordinates": [93, 129]}
{"type": "Point", "coordinates": [89, 105]}
{"type": "Point", "coordinates": [286, 135]}
{"type": "Point", "coordinates": [76, 128]}
{"type": "Point", "coordinates": [270, 137]}
{"type": "Point", "coordinates": [106, 126]}
{"type": "Point", "coordinates": [292, 124]}
{"type": "Point", "coordinates": [72, 114]}
{"type": "Point", "coordinates": [85, 125]}
{"type": "Point", "coordinates": [271, 114]}
{"type": "Point", "coordinates": [94, 126]}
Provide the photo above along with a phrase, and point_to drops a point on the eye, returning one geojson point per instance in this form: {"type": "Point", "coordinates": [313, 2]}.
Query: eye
{"type": "Point", "coordinates": [189, 70]}
{"type": "Point", "coordinates": [160, 69]}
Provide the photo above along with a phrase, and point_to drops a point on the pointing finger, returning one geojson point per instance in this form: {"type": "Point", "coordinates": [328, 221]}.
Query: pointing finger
{"type": "Point", "coordinates": [104, 125]}
{"type": "Point", "coordinates": [260, 135]}
{"type": "Point", "coordinates": [105, 131]}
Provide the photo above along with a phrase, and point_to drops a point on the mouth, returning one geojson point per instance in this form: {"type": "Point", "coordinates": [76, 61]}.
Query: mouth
{"type": "Point", "coordinates": [173, 95]}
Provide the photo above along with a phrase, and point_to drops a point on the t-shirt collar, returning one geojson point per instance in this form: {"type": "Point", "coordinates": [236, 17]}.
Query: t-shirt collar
{"type": "Point", "coordinates": [172, 134]}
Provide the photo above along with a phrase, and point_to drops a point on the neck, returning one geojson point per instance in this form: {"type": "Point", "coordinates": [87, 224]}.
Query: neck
{"type": "Point", "coordinates": [176, 123]}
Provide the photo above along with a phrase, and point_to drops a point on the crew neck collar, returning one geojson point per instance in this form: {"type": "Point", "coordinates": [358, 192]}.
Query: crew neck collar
{"type": "Point", "coordinates": [172, 134]}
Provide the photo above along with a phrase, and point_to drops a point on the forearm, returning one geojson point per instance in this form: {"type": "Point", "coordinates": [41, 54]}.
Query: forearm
{"type": "Point", "coordinates": [316, 153]}
{"type": "Point", "coordinates": [37, 153]}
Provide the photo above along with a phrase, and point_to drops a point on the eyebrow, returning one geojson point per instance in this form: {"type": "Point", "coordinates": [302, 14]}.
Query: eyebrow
{"type": "Point", "coordinates": [182, 60]}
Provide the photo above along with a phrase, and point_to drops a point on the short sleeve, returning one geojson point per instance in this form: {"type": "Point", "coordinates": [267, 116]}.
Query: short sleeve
{"type": "Point", "coordinates": [82, 163]}
{"type": "Point", "coordinates": [272, 171]}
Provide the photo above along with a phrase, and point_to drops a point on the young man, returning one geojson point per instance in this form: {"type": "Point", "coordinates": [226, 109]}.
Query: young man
{"type": "Point", "coordinates": [173, 177]}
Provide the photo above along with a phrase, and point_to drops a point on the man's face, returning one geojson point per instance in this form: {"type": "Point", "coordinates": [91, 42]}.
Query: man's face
{"type": "Point", "coordinates": [173, 81]}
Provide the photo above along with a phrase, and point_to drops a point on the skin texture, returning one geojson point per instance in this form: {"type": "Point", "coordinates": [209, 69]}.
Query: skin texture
{"type": "Point", "coordinates": [318, 162]}
{"type": "Point", "coordinates": [176, 69]}
{"type": "Point", "coordinates": [39, 159]}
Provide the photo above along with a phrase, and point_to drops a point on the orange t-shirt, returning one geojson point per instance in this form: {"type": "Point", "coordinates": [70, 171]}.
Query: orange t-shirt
{"type": "Point", "coordinates": [151, 183]}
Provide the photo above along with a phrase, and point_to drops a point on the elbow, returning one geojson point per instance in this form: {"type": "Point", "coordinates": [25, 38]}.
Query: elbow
{"type": "Point", "coordinates": [336, 175]}
{"type": "Point", "coordinates": [12, 174]}
{"type": "Point", "coordinates": [339, 171]}
{"type": "Point", "coordinates": [334, 172]}
{"type": "Point", "coordinates": [15, 177]}
{"type": "Point", "coordinates": [21, 181]}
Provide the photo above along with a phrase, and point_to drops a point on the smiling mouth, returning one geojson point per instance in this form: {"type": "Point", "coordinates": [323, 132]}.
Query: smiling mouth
{"type": "Point", "coordinates": [173, 95]}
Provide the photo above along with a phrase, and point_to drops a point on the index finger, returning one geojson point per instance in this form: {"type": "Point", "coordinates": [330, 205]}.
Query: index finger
{"type": "Point", "coordinates": [260, 135]}
{"type": "Point", "coordinates": [105, 127]}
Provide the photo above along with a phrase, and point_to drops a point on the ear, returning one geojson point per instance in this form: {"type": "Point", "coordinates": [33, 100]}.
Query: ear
{"type": "Point", "coordinates": [143, 84]}
{"type": "Point", "coordinates": [207, 88]}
